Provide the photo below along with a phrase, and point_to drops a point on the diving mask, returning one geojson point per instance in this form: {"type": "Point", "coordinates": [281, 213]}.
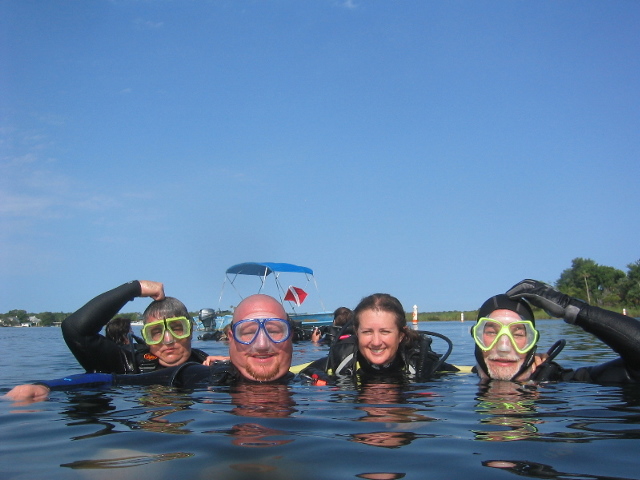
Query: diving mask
{"type": "Point", "coordinates": [487, 332]}
{"type": "Point", "coordinates": [247, 331]}
{"type": "Point", "coordinates": [153, 332]}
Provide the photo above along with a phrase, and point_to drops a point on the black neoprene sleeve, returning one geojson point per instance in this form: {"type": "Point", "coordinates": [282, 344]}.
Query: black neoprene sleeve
{"type": "Point", "coordinates": [81, 330]}
{"type": "Point", "coordinates": [620, 332]}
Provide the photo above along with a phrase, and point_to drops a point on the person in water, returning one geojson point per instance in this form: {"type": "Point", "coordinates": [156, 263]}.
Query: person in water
{"type": "Point", "coordinates": [118, 329]}
{"type": "Point", "coordinates": [329, 335]}
{"type": "Point", "coordinates": [382, 345]}
{"type": "Point", "coordinates": [506, 337]}
{"type": "Point", "coordinates": [166, 331]}
{"type": "Point", "coordinates": [260, 350]}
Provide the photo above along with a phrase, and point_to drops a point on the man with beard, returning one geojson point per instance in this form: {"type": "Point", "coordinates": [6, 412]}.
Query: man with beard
{"type": "Point", "coordinates": [260, 350]}
{"type": "Point", "coordinates": [506, 337]}
{"type": "Point", "coordinates": [260, 345]}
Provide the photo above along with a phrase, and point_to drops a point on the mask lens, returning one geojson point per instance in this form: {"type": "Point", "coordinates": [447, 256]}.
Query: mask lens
{"type": "Point", "coordinates": [153, 332]}
{"type": "Point", "coordinates": [277, 330]}
{"type": "Point", "coordinates": [180, 327]}
{"type": "Point", "coordinates": [246, 331]}
{"type": "Point", "coordinates": [522, 334]}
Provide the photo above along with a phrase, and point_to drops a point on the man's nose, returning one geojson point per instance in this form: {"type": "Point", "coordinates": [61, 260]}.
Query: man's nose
{"type": "Point", "coordinates": [168, 339]}
{"type": "Point", "coordinates": [504, 343]}
{"type": "Point", "coordinates": [262, 340]}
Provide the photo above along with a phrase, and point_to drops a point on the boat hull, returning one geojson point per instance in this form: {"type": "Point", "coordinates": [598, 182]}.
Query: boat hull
{"type": "Point", "coordinates": [321, 318]}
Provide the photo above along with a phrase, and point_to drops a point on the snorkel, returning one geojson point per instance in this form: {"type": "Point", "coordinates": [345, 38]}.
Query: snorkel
{"type": "Point", "coordinates": [503, 302]}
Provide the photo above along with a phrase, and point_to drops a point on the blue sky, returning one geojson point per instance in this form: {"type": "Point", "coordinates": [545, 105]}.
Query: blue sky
{"type": "Point", "coordinates": [438, 151]}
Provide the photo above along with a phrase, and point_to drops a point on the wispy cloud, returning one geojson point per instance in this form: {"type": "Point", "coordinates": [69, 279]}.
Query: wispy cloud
{"type": "Point", "coordinates": [33, 187]}
{"type": "Point", "coordinates": [20, 205]}
{"type": "Point", "coordinates": [143, 24]}
{"type": "Point", "coordinates": [350, 4]}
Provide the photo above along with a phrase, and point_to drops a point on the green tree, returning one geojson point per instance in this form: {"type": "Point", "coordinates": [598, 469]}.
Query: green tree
{"type": "Point", "coordinates": [46, 319]}
{"type": "Point", "coordinates": [610, 281]}
{"type": "Point", "coordinates": [575, 281]}
{"type": "Point", "coordinates": [631, 285]}
{"type": "Point", "coordinates": [597, 284]}
{"type": "Point", "coordinates": [21, 315]}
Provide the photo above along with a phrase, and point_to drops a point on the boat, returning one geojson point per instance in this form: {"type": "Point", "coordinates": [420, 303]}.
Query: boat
{"type": "Point", "coordinates": [276, 279]}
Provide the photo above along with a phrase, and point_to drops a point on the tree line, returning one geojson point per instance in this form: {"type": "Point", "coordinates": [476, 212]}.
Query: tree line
{"type": "Point", "coordinates": [44, 319]}
{"type": "Point", "coordinates": [599, 285]}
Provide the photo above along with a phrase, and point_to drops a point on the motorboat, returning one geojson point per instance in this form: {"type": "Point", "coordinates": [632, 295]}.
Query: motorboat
{"type": "Point", "coordinates": [293, 285]}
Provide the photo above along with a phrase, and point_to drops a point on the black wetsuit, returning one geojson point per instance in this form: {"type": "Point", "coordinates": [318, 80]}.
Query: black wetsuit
{"type": "Point", "coordinates": [621, 333]}
{"type": "Point", "coordinates": [188, 375]}
{"type": "Point", "coordinates": [330, 335]}
{"type": "Point", "coordinates": [96, 353]}
{"type": "Point", "coordinates": [416, 361]}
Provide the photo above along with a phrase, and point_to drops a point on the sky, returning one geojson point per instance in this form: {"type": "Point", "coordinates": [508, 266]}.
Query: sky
{"type": "Point", "coordinates": [439, 151]}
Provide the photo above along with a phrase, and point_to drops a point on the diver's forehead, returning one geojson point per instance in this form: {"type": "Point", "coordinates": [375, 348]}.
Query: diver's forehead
{"type": "Point", "coordinates": [258, 306]}
{"type": "Point", "coordinates": [505, 316]}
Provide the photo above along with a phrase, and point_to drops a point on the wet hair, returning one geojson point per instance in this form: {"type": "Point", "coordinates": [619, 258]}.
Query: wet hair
{"type": "Point", "coordinates": [386, 303]}
{"type": "Point", "coordinates": [169, 307]}
{"type": "Point", "coordinates": [341, 316]}
{"type": "Point", "coordinates": [117, 329]}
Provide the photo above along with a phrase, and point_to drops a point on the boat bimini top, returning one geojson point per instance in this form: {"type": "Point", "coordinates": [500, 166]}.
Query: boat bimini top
{"type": "Point", "coordinates": [262, 270]}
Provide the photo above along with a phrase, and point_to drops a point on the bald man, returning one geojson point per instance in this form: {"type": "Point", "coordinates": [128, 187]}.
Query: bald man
{"type": "Point", "coordinates": [260, 350]}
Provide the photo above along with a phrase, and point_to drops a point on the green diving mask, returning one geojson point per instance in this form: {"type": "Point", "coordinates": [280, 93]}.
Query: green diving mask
{"type": "Point", "coordinates": [487, 331]}
{"type": "Point", "coordinates": [153, 332]}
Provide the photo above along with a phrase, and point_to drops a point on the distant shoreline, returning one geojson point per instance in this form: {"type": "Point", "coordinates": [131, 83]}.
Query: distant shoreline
{"type": "Point", "coordinates": [449, 316]}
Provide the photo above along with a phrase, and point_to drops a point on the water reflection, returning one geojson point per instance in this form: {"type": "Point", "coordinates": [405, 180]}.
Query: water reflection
{"type": "Point", "coordinates": [86, 409]}
{"type": "Point", "coordinates": [254, 435]}
{"type": "Point", "coordinates": [160, 403]}
{"type": "Point", "coordinates": [606, 413]}
{"type": "Point", "coordinates": [511, 408]}
{"type": "Point", "coordinates": [262, 400]}
{"type": "Point", "coordinates": [387, 403]}
{"type": "Point", "coordinates": [384, 439]}
{"type": "Point", "coordinates": [259, 401]}
{"type": "Point", "coordinates": [540, 470]}
{"type": "Point", "coordinates": [381, 475]}
{"type": "Point", "coordinates": [384, 404]}
{"type": "Point", "coordinates": [126, 461]}
{"type": "Point", "coordinates": [374, 432]}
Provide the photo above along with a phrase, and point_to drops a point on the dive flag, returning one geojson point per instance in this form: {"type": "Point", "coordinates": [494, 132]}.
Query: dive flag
{"type": "Point", "coordinates": [295, 294]}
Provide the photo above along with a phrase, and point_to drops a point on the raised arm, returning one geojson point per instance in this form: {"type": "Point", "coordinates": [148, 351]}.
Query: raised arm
{"type": "Point", "coordinates": [81, 330]}
{"type": "Point", "coordinates": [620, 332]}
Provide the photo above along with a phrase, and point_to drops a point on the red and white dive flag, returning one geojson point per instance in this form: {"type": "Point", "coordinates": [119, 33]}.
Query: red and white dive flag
{"type": "Point", "coordinates": [295, 294]}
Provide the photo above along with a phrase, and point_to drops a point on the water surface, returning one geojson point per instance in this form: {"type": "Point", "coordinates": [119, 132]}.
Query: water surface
{"type": "Point", "coordinates": [446, 429]}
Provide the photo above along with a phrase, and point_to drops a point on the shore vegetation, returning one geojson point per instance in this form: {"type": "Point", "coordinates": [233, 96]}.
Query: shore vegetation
{"type": "Point", "coordinates": [598, 285]}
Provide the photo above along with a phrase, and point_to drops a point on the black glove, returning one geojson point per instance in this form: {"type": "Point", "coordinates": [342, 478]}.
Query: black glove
{"type": "Point", "coordinates": [546, 297]}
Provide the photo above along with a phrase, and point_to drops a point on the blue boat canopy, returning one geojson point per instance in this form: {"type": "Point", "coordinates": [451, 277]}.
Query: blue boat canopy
{"type": "Point", "coordinates": [263, 269]}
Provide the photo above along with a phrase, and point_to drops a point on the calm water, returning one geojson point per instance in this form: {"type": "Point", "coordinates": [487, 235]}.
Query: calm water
{"type": "Point", "coordinates": [444, 429]}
